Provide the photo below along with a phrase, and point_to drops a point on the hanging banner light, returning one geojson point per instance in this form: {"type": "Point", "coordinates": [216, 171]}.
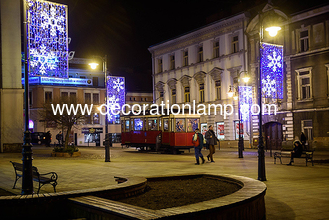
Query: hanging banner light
{"type": "Point", "coordinates": [272, 70]}
{"type": "Point", "coordinates": [115, 93]}
{"type": "Point", "coordinates": [47, 39]}
{"type": "Point", "coordinates": [245, 98]}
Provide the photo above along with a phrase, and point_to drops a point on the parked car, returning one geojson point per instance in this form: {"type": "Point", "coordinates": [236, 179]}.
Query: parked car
{"type": "Point", "coordinates": [38, 138]}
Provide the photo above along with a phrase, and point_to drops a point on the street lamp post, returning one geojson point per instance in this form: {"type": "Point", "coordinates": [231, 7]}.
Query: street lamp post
{"type": "Point", "coordinates": [230, 94]}
{"type": "Point", "coordinates": [107, 138]}
{"type": "Point", "coordinates": [27, 181]}
{"type": "Point", "coordinates": [261, 153]}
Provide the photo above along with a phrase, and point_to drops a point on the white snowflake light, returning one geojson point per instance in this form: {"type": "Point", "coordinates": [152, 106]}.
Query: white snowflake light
{"type": "Point", "coordinates": [275, 61]}
{"type": "Point", "coordinates": [268, 86]}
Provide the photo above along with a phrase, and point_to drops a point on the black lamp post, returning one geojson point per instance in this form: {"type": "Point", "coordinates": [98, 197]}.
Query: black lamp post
{"type": "Point", "coordinates": [107, 137]}
{"type": "Point", "coordinates": [261, 153]}
{"type": "Point", "coordinates": [230, 93]}
{"type": "Point", "coordinates": [27, 181]}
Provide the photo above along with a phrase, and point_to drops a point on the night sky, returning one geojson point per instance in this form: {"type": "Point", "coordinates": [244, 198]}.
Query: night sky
{"type": "Point", "coordinates": [125, 29]}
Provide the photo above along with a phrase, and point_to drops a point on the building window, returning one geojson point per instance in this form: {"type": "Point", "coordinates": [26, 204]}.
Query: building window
{"type": "Point", "coordinates": [161, 96]}
{"type": "Point", "coordinates": [172, 62]}
{"type": "Point", "coordinates": [307, 128]}
{"type": "Point", "coordinates": [48, 97]}
{"type": "Point", "coordinates": [95, 98]}
{"type": "Point", "coordinates": [216, 49]}
{"type": "Point", "coordinates": [73, 97]}
{"type": "Point", "coordinates": [304, 83]}
{"type": "Point", "coordinates": [303, 41]}
{"type": "Point", "coordinates": [96, 118]}
{"type": "Point", "coordinates": [200, 54]}
{"type": "Point", "coordinates": [173, 96]}
{"type": "Point", "coordinates": [88, 98]}
{"type": "Point", "coordinates": [185, 58]}
{"type": "Point", "coordinates": [64, 95]}
{"type": "Point", "coordinates": [160, 69]}
{"type": "Point", "coordinates": [201, 92]}
{"type": "Point", "coordinates": [187, 94]}
{"type": "Point", "coordinates": [218, 89]}
{"type": "Point", "coordinates": [235, 44]}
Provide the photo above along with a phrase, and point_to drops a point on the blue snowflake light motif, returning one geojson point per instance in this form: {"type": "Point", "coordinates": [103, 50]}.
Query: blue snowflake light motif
{"type": "Point", "coordinates": [272, 70]}
{"type": "Point", "coordinates": [47, 39]}
{"type": "Point", "coordinates": [245, 98]}
{"type": "Point", "coordinates": [115, 92]}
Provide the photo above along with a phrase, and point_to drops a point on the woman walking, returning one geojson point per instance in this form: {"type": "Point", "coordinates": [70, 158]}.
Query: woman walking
{"type": "Point", "coordinates": [211, 142]}
{"type": "Point", "coordinates": [197, 141]}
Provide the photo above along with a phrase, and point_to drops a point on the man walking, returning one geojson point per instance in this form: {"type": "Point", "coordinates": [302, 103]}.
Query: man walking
{"type": "Point", "coordinates": [197, 141]}
{"type": "Point", "coordinates": [211, 142]}
{"type": "Point", "coordinates": [59, 137]}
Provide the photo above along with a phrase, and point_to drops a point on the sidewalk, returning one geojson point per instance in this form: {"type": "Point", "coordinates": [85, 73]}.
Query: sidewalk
{"type": "Point", "coordinates": [294, 192]}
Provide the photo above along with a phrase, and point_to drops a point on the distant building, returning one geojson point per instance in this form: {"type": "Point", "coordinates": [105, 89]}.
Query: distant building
{"type": "Point", "coordinates": [202, 65]}
{"type": "Point", "coordinates": [305, 104]}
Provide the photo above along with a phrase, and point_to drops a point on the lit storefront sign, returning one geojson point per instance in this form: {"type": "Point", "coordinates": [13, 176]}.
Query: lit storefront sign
{"type": "Point", "coordinates": [58, 81]}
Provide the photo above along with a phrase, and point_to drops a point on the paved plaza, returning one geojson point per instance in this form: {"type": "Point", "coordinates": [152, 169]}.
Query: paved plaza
{"type": "Point", "coordinates": [294, 192]}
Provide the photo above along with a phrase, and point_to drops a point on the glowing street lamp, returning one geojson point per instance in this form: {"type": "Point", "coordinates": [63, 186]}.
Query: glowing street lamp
{"type": "Point", "coordinates": [272, 31]}
{"type": "Point", "coordinates": [93, 65]}
{"type": "Point", "coordinates": [230, 93]}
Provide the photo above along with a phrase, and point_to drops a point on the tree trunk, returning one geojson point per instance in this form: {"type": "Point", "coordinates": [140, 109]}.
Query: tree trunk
{"type": "Point", "coordinates": [67, 137]}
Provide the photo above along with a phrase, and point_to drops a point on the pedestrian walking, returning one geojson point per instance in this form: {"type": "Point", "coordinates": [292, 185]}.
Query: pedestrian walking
{"type": "Point", "coordinates": [211, 142]}
{"type": "Point", "coordinates": [197, 141]}
{"type": "Point", "coordinates": [59, 137]}
{"type": "Point", "coordinates": [48, 138]}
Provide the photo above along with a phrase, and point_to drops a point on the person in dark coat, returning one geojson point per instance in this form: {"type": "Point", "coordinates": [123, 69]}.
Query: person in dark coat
{"type": "Point", "coordinates": [59, 137]}
{"type": "Point", "coordinates": [297, 152]}
{"type": "Point", "coordinates": [303, 139]}
{"type": "Point", "coordinates": [48, 138]}
{"type": "Point", "coordinates": [211, 142]}
{"type": "Point", "coordinates": [197, 149]}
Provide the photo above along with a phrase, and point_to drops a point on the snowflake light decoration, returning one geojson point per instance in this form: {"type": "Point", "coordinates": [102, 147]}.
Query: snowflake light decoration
{"type": "Point", "coordinates": [47, 38]}
{"type": "Point", "coordinates": [275, 61]}
{"type": "Point", "coordinates": [272, 70]}
{"type": "Point", "coordinates": [115, 91]}
{"type": "Point", "coordinates": [269, 86]}
{"type": "Point", "coordinates": [118, 85]}
{"type": "Point", "coordinates": [245, 98]}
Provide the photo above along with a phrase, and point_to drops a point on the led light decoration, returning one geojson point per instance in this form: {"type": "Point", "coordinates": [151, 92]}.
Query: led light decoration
{"type": "Point", "coordinates": [245, 98]}
{"type": "Point", "coordinates": [272, 70]}
{"type": "Point", "coordinates": [47, 39]}
{"type": "Point", "coordinates": [115, 93]}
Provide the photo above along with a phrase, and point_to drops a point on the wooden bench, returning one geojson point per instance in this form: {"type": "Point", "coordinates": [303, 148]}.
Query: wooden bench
{"type": "Point", "coordinates": [47, 178]}
{"type": "Point", "coordinates": [307, 155]}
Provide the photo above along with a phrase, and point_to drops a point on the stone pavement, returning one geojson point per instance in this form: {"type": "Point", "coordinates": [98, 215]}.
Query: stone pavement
{"type": "Point", "coordinates": [294, 192]}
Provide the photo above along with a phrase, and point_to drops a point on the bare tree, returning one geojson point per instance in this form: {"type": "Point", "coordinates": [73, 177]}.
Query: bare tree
{"type": "Point", "coordinates": [67, 118]}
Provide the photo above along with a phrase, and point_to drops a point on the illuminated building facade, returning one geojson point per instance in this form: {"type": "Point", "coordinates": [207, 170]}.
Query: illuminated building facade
{"type": "Point", "coordinates": [302, 49]}
{"type": "Point", "coordinates": [202, 65]}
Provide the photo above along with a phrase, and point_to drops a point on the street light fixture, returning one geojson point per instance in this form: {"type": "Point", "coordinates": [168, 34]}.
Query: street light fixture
{"type": "Point", "coordinates": [273, 30]}
{"type": "Point", "coordinates": [230, 94]}
{"type": "Point", "coordinates": [93, 66]}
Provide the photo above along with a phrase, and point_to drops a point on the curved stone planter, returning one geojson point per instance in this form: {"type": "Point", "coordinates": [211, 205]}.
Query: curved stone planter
{"type": "Point", "coordinates": [62, 154]}
{"type": "Point", "coordinates": [246, 203]}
